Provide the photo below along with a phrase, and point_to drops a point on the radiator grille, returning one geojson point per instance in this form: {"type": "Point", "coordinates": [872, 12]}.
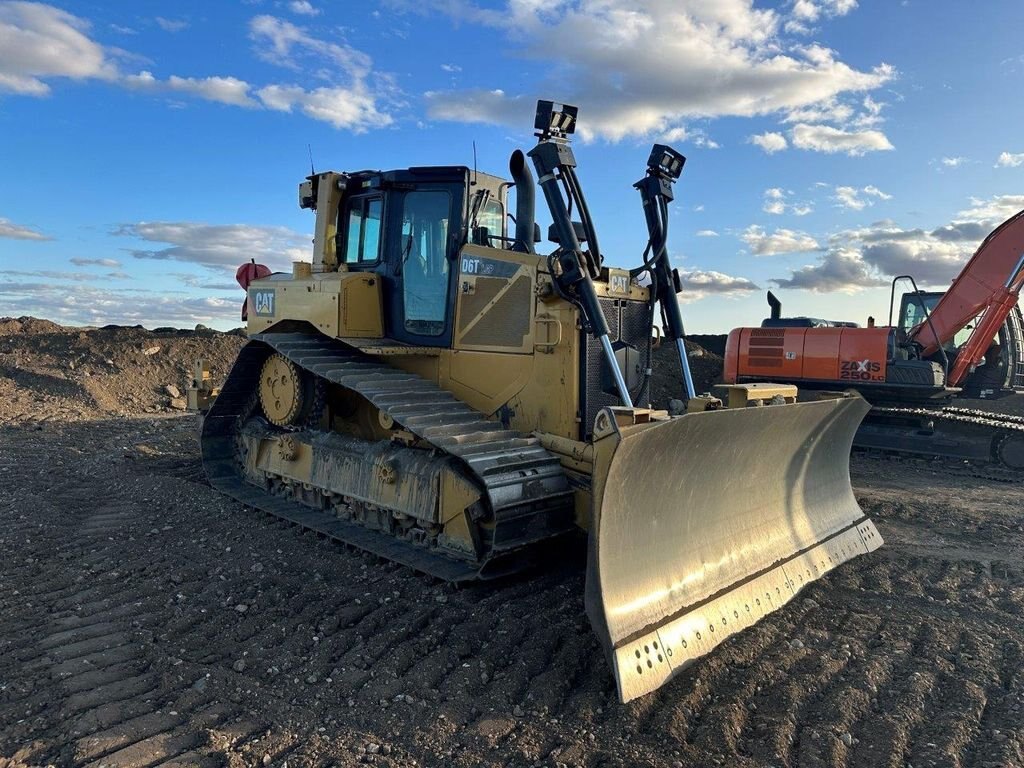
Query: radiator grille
{"type": "Point", "coordinates": [766, 347]}
{"type": "Point", "coordinates": [471, 304]}
{"type": "Point", "coordinates": [507, 322]}
{"type": "Point", "coordinates": [628, 321]}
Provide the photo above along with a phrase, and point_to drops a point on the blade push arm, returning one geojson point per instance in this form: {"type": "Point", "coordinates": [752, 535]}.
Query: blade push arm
{"type": "Point", "coordinates": [663, 168]}
{"type": "Point", "coordinates": [989, 283]}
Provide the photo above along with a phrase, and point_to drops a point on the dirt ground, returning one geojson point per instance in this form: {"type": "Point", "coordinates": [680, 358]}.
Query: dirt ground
{"type": "Point", "coordinates": [146, 620]}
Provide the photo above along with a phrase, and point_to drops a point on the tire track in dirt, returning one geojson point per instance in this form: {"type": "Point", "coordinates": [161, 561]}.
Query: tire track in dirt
{"type": "Point", "coordinates": [308, 674]}
{"type": "Point", "coordinates": [117, 717]}
{"type": "Point", "coordinates": [82, 650]}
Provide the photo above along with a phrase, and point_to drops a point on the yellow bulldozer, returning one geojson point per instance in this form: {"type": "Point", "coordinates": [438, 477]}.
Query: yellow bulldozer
{"type": "Point", "coordinates": [431, 389]}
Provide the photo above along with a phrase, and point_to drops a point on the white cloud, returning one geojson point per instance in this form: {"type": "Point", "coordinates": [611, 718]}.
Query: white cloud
{"type": "Point", "coordinates": [303, 8]}
{"type": "Point", "coordinates": [39, 42]}
{"type": "Point", "coordinates": [807, 12]}
{"type": "Point", "coordinates": [826, 138]}
{"type": "Point", "coordinates": [778, 242]}
{"type": "Point", "coordinates": [847, 197]}
{"type": "Point", "coordinates": [354, 105]}
{"type": "Point", "coordinates": [16, 232]}
{"type": "Point", "coordinates": [171, 25]}
{"type": "Point", "coordinates": [288, 43]}
{"type": "Point", "coordinates": [1009, 160]}
{"type": "Point", "coordinates": [698, 284]}
{"type": "Point", "coordinates": [774, 201]}
{"type": "Point", "coordinates": [111, 263]}
{"type": "Point", "coordinates": [829, 111]}
{"type": "Point", "coordinates": [840, 7]}
{"type": "Point", "coordinates": [626, 59]}
{"type": "Point", "coordinates": [706, 233]}
{"type": "Point", "coordinates": [840, 269]}
{"type": "Point", "coordinates": [769, 141]}
{"type": "Point", "coordinates": [994, 210]}
{"type": "Point", "coordinates": [226, 90]}
{"type": "Point", "coordinates": [352, 108]}
{"type": "Point", "coordinates": [54, 274]}
{"type": "Point", "coordinates": [777, 201]}
{"type": "Point", "coordinates": [850, 197]}
{"type": "Point", "coordinates": [94, 305]}
{"type": "Point", "coordinates": [956, 162]}
{"type": "Point", "coordinates": [872, 255]}
{"type": "Point", "coordinates": [452, 68]}
{"type": "Point", "coordinates": [218, 246]}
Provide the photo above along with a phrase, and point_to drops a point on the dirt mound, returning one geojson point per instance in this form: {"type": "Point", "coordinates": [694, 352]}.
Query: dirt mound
{"type": "Point", "coordinates": [666, 383]}
{"type": "Point", "coordinates": [49, 371]}
{"type": "Point", "coordinates": [712, 342]}
{"type": "Point", "coordinates": [9, 326]}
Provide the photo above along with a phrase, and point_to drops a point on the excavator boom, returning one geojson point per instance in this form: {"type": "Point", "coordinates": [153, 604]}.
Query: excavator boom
{"type": "Point", "coordinates": [988, 281]}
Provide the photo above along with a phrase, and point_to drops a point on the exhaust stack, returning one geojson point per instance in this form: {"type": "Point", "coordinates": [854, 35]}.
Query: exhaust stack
{"type": "Point", "coordinates": [525, 202]}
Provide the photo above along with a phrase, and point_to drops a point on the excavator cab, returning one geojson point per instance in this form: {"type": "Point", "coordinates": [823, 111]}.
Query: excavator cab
{"type": "Point", "coordinates": [916, 306]}
{"type": "Point", "coordinates": [1001, 370]}
{"type": "Point", "coordinates": [432, 389]}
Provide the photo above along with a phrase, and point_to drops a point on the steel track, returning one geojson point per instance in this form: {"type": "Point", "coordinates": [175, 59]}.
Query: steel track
{"type": "Point", "coordinates": [527, 493]}
{"type": "Point", "coordinates": [1004, 427]}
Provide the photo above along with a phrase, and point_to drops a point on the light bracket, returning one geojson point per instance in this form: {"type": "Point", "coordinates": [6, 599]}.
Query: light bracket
{"type": "Point", "coordinates": [555, 121]}
{"type": "Point", "coordinates": [665, 162]}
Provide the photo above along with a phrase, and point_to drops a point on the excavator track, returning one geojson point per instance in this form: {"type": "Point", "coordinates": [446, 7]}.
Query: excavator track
{"type": "Point", "coordinates": [976, 443]}
{"type": "Point", "coordinates": [525, 488]}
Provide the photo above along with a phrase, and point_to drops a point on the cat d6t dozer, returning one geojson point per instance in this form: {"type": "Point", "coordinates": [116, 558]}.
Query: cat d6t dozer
{"type": "Point", "coordinates": [432, 390]}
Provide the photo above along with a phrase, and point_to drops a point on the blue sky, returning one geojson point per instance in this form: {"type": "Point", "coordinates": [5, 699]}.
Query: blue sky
{"type": "Point", "coordinates": [148, 149]}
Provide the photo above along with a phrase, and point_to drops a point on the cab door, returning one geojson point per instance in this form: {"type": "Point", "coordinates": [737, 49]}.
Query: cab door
{"type": "Point", "coordinates": [421, 264]}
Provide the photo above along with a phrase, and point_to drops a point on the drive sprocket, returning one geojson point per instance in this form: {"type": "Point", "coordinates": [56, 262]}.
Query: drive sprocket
{"type": "Point", "coordinates": [284, 392]}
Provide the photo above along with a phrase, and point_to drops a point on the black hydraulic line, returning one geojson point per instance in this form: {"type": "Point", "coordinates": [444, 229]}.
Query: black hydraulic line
{"type": "Point", "coordinates": [656, 193]}
{"type": "Point", "coordinates": [552, 159]}
{"type": "Point", "coordinates": [593, 252]}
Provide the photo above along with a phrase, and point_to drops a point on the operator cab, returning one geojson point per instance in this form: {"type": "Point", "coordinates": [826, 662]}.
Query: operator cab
{"type": "Point", "coordinates": [1001, 371]}
{"type": "Point", "coordinates": [408, 226]}
{"type": "Point", "coordinates": [915, 308]}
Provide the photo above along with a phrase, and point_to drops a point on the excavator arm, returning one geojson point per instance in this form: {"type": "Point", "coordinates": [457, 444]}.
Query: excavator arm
{"type": "Point", "coordinates": [988, 286]}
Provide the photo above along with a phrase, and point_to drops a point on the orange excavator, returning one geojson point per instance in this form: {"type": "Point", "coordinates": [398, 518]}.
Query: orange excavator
{"type": "Point", "coordinates": [966, 342]}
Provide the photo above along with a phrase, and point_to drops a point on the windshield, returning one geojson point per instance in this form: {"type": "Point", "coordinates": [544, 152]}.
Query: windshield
{"type": "Point", "coordinates": [917, 308]}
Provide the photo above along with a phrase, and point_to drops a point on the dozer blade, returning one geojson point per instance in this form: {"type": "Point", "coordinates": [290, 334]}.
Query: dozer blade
{"type": "Point", "coordinates": [703, 524]}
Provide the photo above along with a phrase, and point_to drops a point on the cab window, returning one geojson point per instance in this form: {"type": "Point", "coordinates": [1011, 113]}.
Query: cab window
{"type": "Point", "coordinates": [362, 243]}
{"type": "Point", "coordinates": [493, 217]}
{"type": "Point", "coordinates": [424, 243]}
